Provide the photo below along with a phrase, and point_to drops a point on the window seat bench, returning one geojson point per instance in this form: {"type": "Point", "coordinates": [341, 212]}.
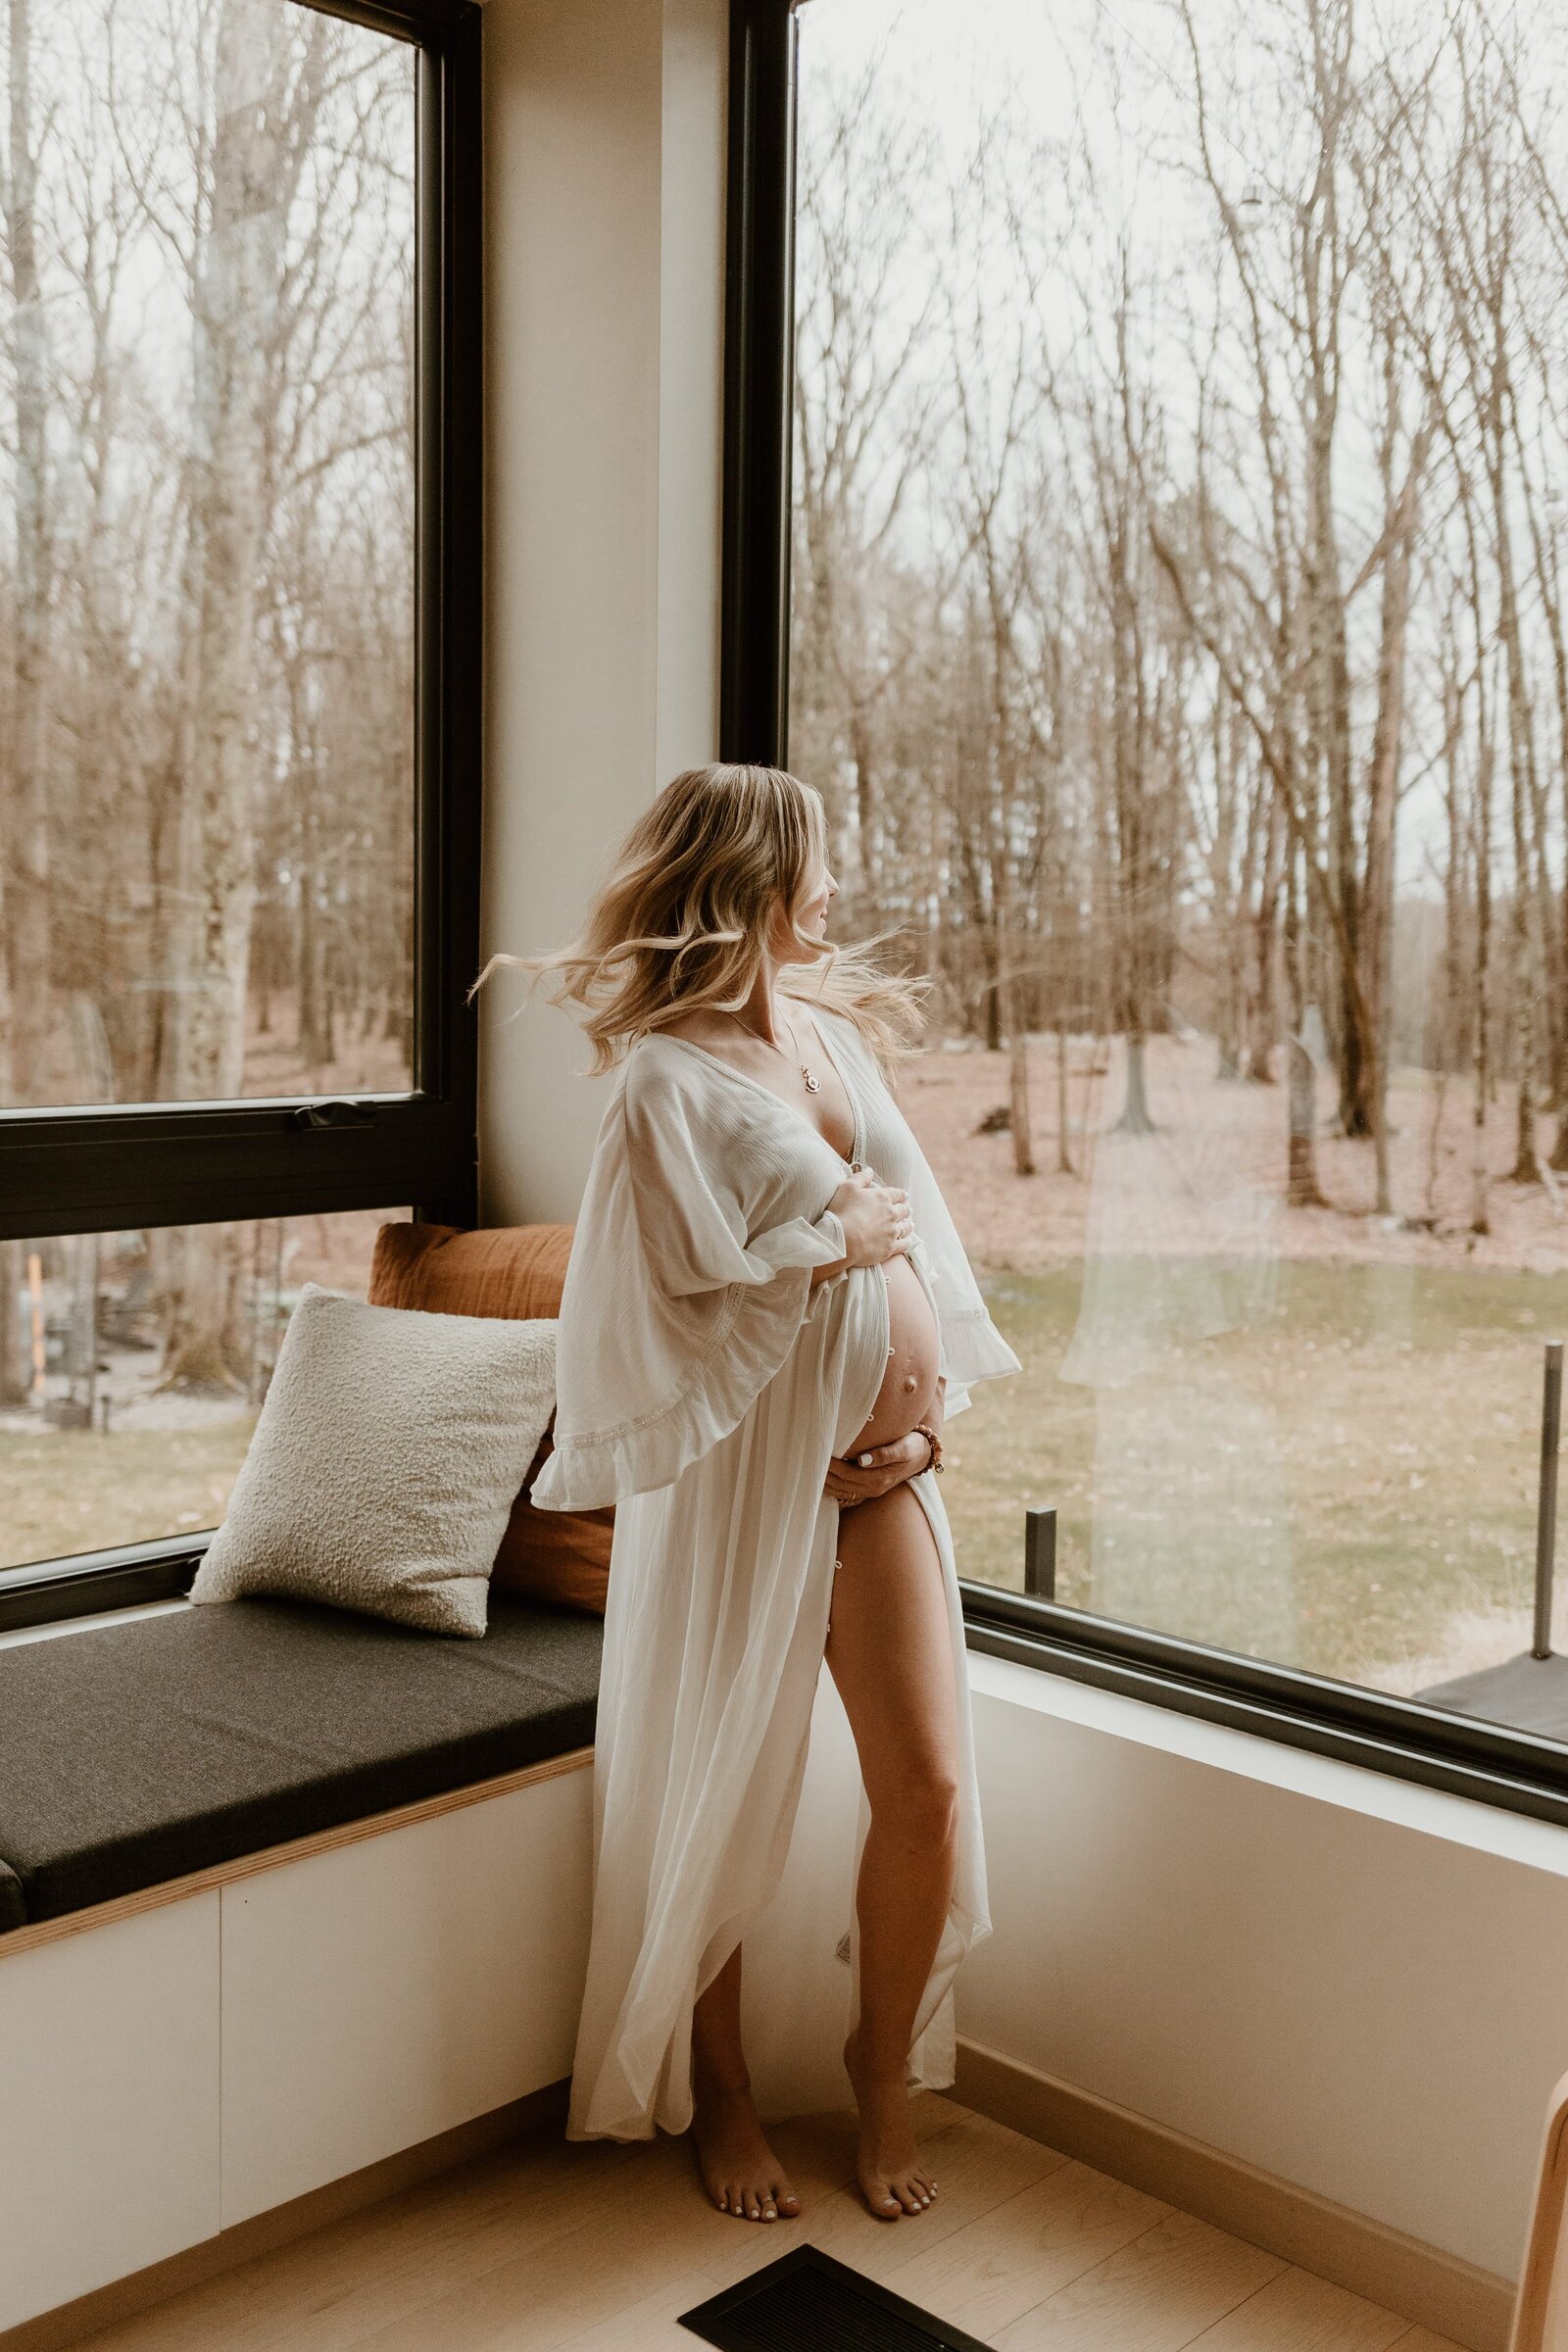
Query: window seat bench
{"type": "Point", "coordinates": [291, 1897]}
{"type": "Point", "coordinates": [144, 1751]}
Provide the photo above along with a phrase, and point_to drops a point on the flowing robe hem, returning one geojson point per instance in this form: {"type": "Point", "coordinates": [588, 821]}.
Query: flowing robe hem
{"type": "Point", "coordinates": [668, 2105]}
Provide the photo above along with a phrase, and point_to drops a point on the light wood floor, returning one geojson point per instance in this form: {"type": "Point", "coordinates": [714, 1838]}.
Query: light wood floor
{"type": "Point", "coordinates": [600, 2247]}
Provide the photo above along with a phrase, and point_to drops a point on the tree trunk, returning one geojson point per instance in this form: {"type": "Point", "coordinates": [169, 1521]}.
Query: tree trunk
{"type": "Point", "coordinates": [862, 752]}
{"type": "Point", "coordinates": [992, 1002]}
{"type": "Point", "coordinates": [13, 1342]}
{"type": "Point", "coordinates": [1523, 975]}
{"type": "Point", "coordinates": [1526, 1167]}
{"type": "Point", "coordinates": [1023, 1150]}
{"type": "Point", "coordinates": [27, 932]}
{"type": "Point", "coordinates": [262, 128]}
{"type": "Point", "coordinates": [1262, 1015]}
{"type": "Point", "coordinates": [1383, 800]}
{"type": "Point", "coordinates": [206, 1344]}
{"type": "Point", "coordinates": [1135, 1118]}
{"type": "Point", "coordinates": [1302, 1187]}
{"type": "Point", "coordinates": [314, 1026]}
{"type": "Point", "coordinates": [1480, 1212]}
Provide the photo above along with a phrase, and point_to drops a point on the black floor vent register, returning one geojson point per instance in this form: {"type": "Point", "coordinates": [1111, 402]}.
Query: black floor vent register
{"type": "Point", "coordinates": [807, 2302]}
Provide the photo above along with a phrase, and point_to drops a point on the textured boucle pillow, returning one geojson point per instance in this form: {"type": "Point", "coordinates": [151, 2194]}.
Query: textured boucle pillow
{"type": "Point", "coordinates": [385, 1461]}
{"type": "Point", "coordinates": [560, 1557]}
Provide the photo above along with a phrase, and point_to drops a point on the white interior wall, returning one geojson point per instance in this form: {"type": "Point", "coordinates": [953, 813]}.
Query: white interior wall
{"type": "Point", "coordinates": [1356, 1983]}
{"type": "Point", "coordinates": [604, 319]}
{"type": "Point", "coordinates": [1371, 2008]}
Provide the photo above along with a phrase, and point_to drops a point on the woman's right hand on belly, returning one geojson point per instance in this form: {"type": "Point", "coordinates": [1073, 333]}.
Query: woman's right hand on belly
{"type": "Point", "coordinates": [875, 1218]}
{"type": "Point", "coordinates": [867, 1476]}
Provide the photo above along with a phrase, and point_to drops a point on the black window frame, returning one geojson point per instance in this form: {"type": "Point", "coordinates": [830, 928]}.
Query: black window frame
{"type": "Point", "coordinates": [113, 1168]}
{"type": "Point", "coordinates": [1461, 1754]}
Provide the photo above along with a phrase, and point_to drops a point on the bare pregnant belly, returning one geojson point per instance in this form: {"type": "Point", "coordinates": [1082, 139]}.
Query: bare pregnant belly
{"type": "Point", "coordinates": [909, 1383]}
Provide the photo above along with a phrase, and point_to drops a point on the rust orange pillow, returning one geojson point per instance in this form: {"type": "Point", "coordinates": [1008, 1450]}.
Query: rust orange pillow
{"type": "Point", "coordinates": [561, 1557]}
{"type": "Point", "coordinates": [499, 1271]}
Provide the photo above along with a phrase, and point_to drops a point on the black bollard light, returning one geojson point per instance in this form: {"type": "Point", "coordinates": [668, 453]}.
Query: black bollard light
{"type": "Point", "coordinates": [1039, 1554]}
{"type": "Point", "coordinates": [1547, 1507]}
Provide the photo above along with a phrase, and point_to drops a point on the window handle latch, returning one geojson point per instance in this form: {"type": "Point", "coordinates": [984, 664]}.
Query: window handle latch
{"type": "Point", "coordinates": [312, 1118]}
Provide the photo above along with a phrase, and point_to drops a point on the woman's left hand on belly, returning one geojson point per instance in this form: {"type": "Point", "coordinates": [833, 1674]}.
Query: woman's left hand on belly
{"type": "Point", "coordinates": [879, 1470]}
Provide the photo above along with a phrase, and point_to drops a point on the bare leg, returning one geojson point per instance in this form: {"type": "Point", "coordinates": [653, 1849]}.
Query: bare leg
{"type": "Point", "coordinates": [740, 2171]}
{"type": "Point", "coordinates": [890, 1651]}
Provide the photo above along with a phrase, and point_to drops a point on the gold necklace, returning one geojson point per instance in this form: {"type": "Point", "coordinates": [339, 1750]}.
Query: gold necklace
{"type": "Point", "coordinates": [814, 1084]}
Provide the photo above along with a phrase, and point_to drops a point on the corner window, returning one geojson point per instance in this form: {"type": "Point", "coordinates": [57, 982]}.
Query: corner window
{"type": "Point", "coordinates": [1174, 547]}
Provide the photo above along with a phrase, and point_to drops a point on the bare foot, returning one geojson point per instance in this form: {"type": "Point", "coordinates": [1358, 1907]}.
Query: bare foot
{"type": "Point", "coordinates": [893, 2180]}
{"type": "Point", "coordinates": [740, 2171]}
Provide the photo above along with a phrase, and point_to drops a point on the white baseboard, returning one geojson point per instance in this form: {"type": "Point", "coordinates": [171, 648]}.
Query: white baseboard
{"type": "Point", "coordinates": [1436, 2291]}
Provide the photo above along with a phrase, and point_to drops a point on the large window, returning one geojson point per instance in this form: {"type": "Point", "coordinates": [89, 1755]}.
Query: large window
{"type": "Point", "coordinates": [1176, 628]}
{"type": "Point", "coordinates": [238, 802]}
{"type": "Point", "coordinates": [208, 508]}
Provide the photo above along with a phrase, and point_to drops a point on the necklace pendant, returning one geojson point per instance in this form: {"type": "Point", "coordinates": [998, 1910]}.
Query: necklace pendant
{"type": "Point", "coordinates": [814, 1084]}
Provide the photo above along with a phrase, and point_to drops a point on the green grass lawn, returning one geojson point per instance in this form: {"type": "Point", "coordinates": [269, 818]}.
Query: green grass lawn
{"type": "Point", "coordinates": [1329, 1482]}
{"type": "Point", "coordinates": [76, 1490]}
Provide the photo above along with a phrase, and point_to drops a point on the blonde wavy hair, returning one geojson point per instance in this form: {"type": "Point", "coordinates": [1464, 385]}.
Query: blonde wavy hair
{"type": "Point", "coordinates": [683, 919]}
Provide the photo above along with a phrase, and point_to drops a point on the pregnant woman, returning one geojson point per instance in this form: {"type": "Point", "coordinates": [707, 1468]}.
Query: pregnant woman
{"type": "Point", "coordinates": [768, 1314]}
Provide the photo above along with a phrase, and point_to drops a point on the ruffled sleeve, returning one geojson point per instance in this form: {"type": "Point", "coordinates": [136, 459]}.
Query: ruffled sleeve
{"type": "Point", "coordinates": [681, 1300]}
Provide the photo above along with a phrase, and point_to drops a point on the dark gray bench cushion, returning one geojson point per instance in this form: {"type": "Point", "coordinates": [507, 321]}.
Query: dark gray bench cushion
{"type": "Point", "coordinates": [139, 1751]}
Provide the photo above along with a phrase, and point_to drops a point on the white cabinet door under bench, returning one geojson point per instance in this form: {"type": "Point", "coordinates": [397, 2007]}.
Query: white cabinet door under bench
{"type": "Point", "coordinates": [380, 1993]}
{"type": "Point", "coordinates": [109, 2122]}
{"type": "Point", "coordinates": [193, 2054]}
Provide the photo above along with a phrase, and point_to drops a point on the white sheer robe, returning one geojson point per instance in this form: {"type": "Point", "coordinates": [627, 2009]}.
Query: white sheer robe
{"type": "Point", "coordinates": [701, 1388]}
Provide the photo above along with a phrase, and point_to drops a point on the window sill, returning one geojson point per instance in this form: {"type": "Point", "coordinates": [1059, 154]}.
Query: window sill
{"type": "Point", "coordinates": [88, 1624]}
{"type": "Point", "coordinates": [1484, 1828]}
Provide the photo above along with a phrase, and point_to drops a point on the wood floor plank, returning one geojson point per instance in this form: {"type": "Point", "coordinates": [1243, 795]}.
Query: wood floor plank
{"type": "Point", "coordinates": [327, 2291]}
{"type": "Point", "coordinates": [1155, 2295]}
{"type": "Point", "coordinates": [998, 2267]}
{"type": "Point", "coordinates": [934, 2110]}
{"type": "Point", "coordinates": [1298, 2313]}
{"type": "Point", "coordinates": [659, 2226]}
{"type": "Point", "coordinates": [345, 2282]}
{"type": "Point", "coordinates": [548, 2246]}
{"type": "Point", "coordinates": [655, 2227]}
{"type": "Point", "coordinates": [649, 2325]}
